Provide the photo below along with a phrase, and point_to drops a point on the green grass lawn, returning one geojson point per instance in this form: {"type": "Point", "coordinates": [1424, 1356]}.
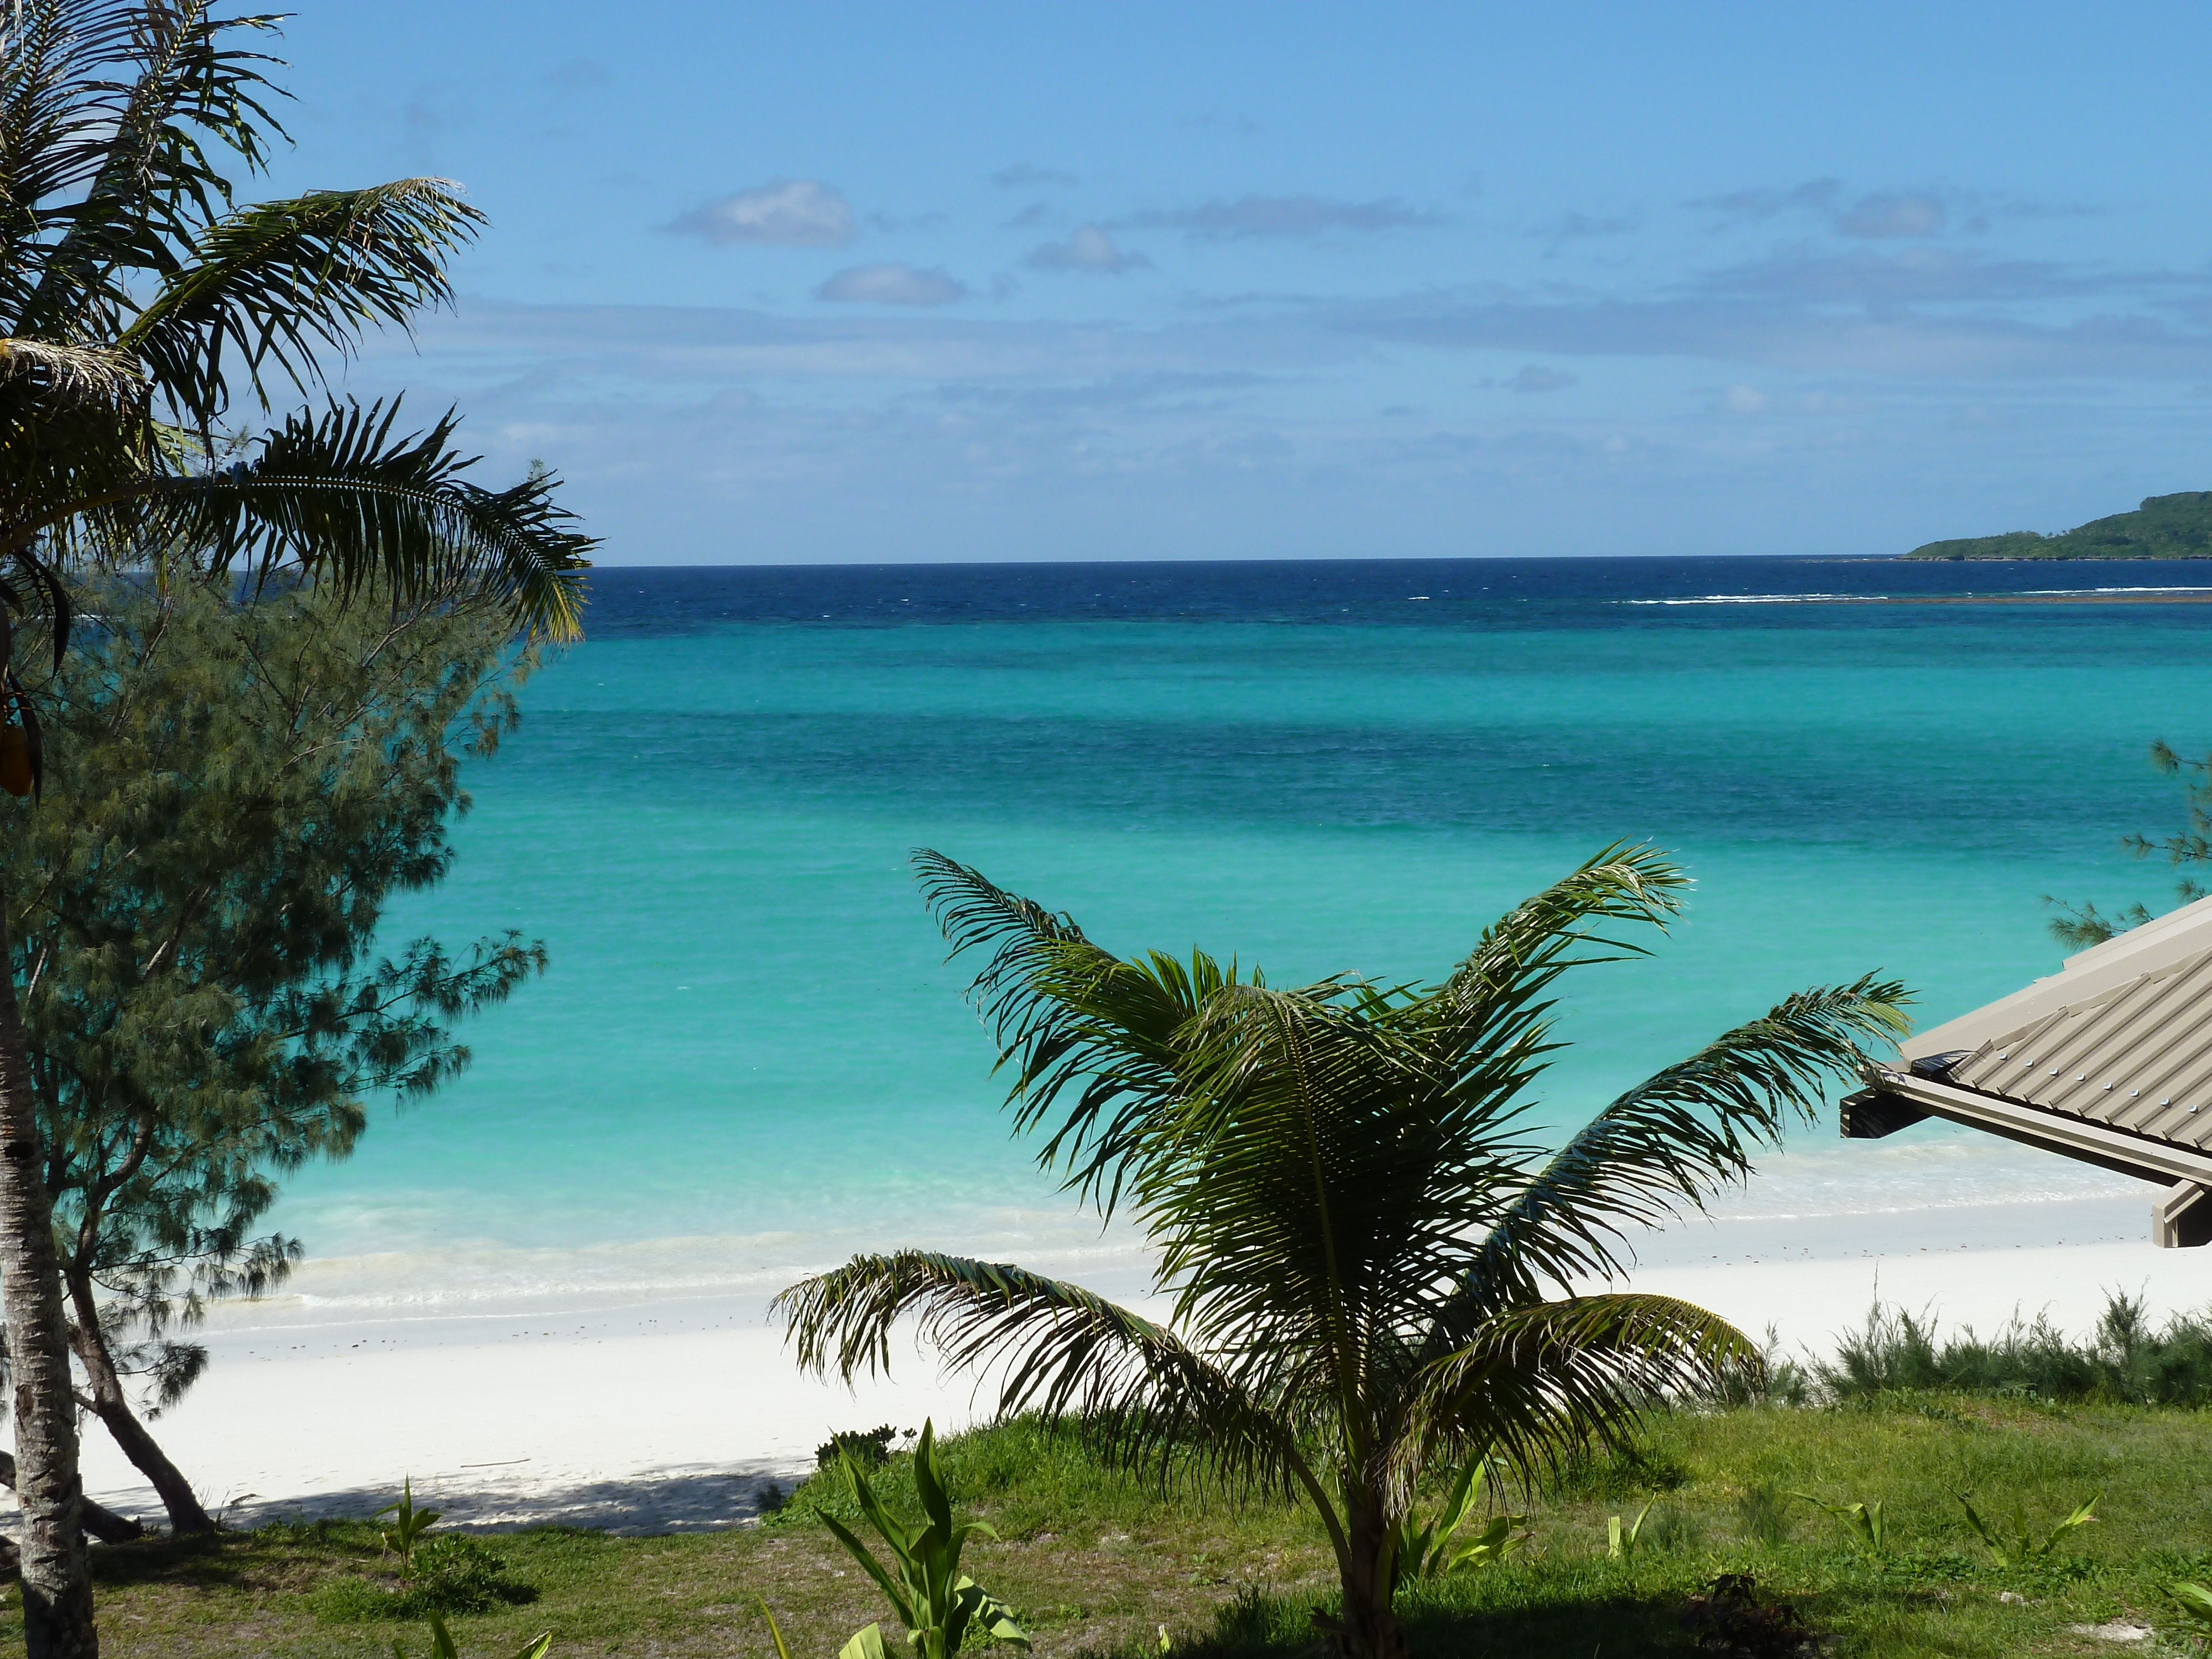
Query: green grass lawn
{"type": "Point", "coordinates": [1096, 1561]}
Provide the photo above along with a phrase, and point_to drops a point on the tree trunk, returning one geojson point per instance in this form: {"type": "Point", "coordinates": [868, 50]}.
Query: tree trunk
{"type": "Point", "coordinates": [1369, 1629]}
{"type": "Point", "coordinates": [105, 1388]}
{"type": "Point", "coordinates": [57, 1576]}
{"type": "Point", "coordinates": [105, 1524]}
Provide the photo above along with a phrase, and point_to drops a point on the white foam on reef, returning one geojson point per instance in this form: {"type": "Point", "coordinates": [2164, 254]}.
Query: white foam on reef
{"type": "Point", "coordinates": [1759, 598]}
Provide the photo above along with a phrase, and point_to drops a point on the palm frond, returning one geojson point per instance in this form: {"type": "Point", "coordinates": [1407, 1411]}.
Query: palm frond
{"type": "Point", "coordinates": [1532, 1383]}
{"type": "Point", "coordinates": [1669, 1143]}
{"type": "Point", "coordinates": [106, 111]}
{"type": "Point", "coordinates": [279, 283]}
{"type": "Point", "coordinates": [1069, 1016]}
{"type": "Point", "coordinates": [72, 374]}
{"type": "Point", "coordinates": [1306, 1192]}
{"type": "Point", "coordinates": [341, 498]}
{"type": "Point", "coordinates": [1490, 1005]}
{"type": "Point", "coordinates": [1061, 1351]}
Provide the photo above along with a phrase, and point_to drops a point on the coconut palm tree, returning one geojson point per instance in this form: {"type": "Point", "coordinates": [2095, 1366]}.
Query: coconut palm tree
{"type": "Point", "coordinates": [147, 321]}
{"type": "Point", "coordinates": [1374, 1259]}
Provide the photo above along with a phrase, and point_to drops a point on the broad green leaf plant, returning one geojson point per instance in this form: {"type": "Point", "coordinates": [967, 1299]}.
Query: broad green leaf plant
{"type": "Point", "coordinates": [2194, 1601]}
{"type": "Point", "coordinates": [1377, 1259]}
{"type": "Point", "coordinates": [1433, 1548]}
{"type": "Point", "coordinates": [939, 1604]}
{"type": "Point", "coordinates": [442, 1645]}
{"type": "Point", "coordinates": [1863, 1521]}
{"type": "Point", "coordinates": [1624, 1540]}
{"type": "Point", "coordinates": [407, 1527]}
{"type": "Point", "coordinates": [2022, 1545]}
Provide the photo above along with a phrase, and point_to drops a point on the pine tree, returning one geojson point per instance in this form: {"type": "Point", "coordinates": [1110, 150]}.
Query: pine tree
{"type": "Point", "coordinates": [248, 785]}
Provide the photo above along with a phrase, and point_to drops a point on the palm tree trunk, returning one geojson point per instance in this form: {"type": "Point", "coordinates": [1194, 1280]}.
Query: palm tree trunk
{"type": "Point", "coordinates": [104, 1390]}
{"type": "Point", "coordinates": [1369, 1629]}
{"type": "Point", "coordinates": [57, 1576]}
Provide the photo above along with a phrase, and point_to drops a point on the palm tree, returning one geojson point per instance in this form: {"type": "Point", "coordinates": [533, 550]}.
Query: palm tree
{"type": "Point", "coordinates": [1374, 1261]}
{"type": "Point", "coordinates": [145, 315]}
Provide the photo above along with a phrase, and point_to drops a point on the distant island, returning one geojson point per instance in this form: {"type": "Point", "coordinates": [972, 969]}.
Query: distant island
{"type": "Point", "coordinates": [2163, 527]}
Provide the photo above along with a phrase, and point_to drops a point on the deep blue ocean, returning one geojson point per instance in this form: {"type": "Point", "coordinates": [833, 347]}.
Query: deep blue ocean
{"type": "Point", "coordinates": [749, 1056]}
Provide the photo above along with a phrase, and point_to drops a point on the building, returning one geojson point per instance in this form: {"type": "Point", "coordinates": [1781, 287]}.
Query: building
{"type": "Point", "coordinates": [2108, 1061]}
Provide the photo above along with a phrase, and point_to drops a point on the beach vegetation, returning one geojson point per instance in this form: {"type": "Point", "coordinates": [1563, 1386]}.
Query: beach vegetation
{"type": "Point", "coordinates": [2195, 1602]}
{"type": "Point", "coordinates": [2021, 1544]}
{"type": "Point", "coordinates": [147, 321]}
{"type": "Point", "coordinates": [1763, 1514]}
{"type": "Point", "coordinates": [1427, 1549]}
{"type": "Point", "coordinates": [1898, 1355]}
{"type": "Point", "coordinates": [1376, 1264]}
{"type": "Point", "coordinates": [407, 1525]}
{"type": "Point", "coordinates": [1624, 1538]}
{"type": "Point", "coordinates": [442, 1645]}
{"type": "Point", "coordinates": [2078, 927]}
{"type": "Point", "coordinates": [451, 1573]}
{"type": "Point", "coordinates": [204, 997]}
{"type": "Point", "coordinates": [867, 1447]}
{"type": "Point", "coordinates": [1093, 1558]}
{"type": "Point", "coordinates": [1863, 1522]}
{"type": "Point", "coordinates": [939, 1604]}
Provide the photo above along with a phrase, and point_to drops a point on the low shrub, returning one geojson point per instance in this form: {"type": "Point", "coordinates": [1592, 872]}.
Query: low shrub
{"type": "Point", "coordinates": [454, 1574]}
{"type": "Point", "coordinates": [870, 1447]}
{"type": "Point", "coordinates": [2126, 1362]}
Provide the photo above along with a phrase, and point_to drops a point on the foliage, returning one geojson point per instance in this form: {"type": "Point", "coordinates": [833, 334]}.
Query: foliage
{"type": "Point", "coordinates": [143, 313]}
{"type": "Point", "coordinates": [1622, 1542]}
{"type": "Point", "coordinates": [2079, 926]}
{"type": "Point", "coordinates": [1731, 1619]}
{"type": "Point", "coordinates": [1427, 1550]}
{"type": "Point", "coordinates": [867, 1447]}
{"type": "Point", "coordinates": [1373, 1263]}
{"type": "Point", "coordinates": [1861, 1521]}
{"type": "Point", "coordinates": [143, 310]}
{"type": "Point", "coordinates": [2178, 526]}
{"type": "Point", "coordinates": [450, 1574]}
{"type": "Point", "coordinates": [937, 1602]}
{"type": "Point", "coordinates": [2020, 1546]}
{"type": "Point", "coordinates": [442, 1645]}
{"type": "Point", "coordinates": [1096, 1559]}
{"type": "Point", "coordinates": [249, 786]}
{"type": "Point", "coordinates": [2194, 1601]}
{"type": "Point", "coordinates": [2125, 1360]}
{"type": "Point", "coordinates": [408, 1526]}
{"type": "Point", "coordinates": [1763, 1515]}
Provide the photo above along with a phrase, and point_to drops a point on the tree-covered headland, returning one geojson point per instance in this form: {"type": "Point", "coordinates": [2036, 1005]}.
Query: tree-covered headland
{"type": "Point", "coordinates": [2164, 527]}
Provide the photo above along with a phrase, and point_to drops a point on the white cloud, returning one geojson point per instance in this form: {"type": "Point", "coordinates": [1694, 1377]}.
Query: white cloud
{"type": "Point", "coordinates": [1087, 248]}
{"type": "Point", "coordinates": [782, 213]}
{"type": "Point", "coordinates": [1742, 400]}
{"type": "Point", "coordinates": [893, 284]}
{"type": "Point", "coordinates": [1534, 377]}
{"type": "Point", "coordinates": [1910, 213]}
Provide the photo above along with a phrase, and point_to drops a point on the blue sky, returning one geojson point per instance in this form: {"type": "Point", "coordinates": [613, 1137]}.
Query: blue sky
{"type": "Point", "coordinates": [843, 283]}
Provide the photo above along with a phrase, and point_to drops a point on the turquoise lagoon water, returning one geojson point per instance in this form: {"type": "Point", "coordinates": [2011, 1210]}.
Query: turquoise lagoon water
{"type": "Point", "coordinates": [749, 1057]}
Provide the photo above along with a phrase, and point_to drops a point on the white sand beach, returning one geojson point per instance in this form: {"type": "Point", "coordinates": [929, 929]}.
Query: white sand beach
{"type": "Point", "coordinates": [680, 1412]}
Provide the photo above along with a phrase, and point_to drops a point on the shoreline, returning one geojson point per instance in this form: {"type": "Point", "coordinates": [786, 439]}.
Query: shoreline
{"type": "Point", "coordinates": [684, 1412]}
